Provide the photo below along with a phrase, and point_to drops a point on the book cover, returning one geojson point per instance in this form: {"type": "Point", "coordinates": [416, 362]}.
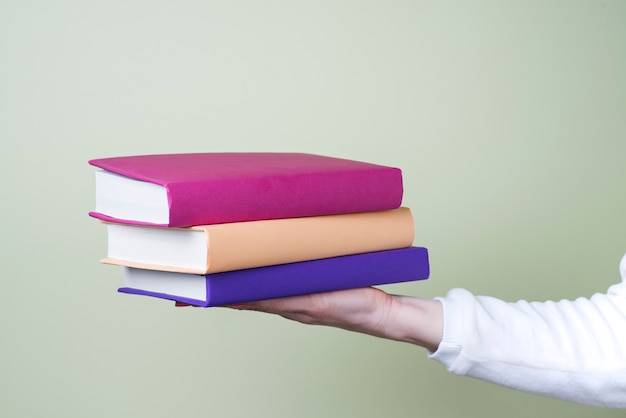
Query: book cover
{"type": "Point", "coordinates": [238, 286]}
{"type": "Point", "coordinates": [181, 190]}
{"type": "Point", "coordinates": [240, 245]}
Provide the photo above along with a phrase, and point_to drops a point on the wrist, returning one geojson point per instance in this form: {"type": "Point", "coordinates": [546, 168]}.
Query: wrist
{"type": "Point", "coordinates": [416, 321]}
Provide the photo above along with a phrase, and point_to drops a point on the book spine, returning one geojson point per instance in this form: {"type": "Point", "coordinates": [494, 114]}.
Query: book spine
{"type": "Point", "coordinates": [243, 245]}
{"type": "Point", "coordinates": [262, 198]}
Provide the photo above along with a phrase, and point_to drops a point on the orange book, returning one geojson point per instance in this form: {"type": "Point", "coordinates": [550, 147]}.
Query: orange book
{"type": "Point", "coordinates": [241, 245]}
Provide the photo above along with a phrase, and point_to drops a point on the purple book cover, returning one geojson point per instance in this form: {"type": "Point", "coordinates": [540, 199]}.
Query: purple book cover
{"type": "Point", "coordinates": [210, 188]}
{"type": "Point", "coordinates": [345, 272]}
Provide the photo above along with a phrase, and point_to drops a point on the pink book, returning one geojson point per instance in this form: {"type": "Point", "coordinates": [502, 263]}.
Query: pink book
{"type": "Point", "coordinates": [180, 190]}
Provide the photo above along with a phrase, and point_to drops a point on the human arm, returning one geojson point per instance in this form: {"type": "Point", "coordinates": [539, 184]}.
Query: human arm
{"type": "Point", "coordinates": [368, 310]}
{"type": "Point", "coordinates": [571, 350]}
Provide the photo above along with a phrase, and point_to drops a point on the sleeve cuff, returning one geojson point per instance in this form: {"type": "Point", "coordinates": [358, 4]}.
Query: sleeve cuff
{"type": "Point", "coordinates": [455, 317]}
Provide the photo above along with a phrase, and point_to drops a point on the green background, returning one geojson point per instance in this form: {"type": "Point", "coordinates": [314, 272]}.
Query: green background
{"type": "Point", "coordinates": [507, 118]}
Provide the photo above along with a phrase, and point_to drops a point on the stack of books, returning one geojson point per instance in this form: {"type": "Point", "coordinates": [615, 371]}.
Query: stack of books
{"type": "Point", "coordinates": [211, 229]}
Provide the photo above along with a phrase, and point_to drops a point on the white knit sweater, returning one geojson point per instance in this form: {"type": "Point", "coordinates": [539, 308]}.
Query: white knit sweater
{"type": "Point", "coordinates": [570, 350]}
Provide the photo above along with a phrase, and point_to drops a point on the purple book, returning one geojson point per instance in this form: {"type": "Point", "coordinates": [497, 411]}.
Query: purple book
{"type": "Point", "coordinates": [238, 286]}
{"type": "Point", "coordinates": [179, 190]}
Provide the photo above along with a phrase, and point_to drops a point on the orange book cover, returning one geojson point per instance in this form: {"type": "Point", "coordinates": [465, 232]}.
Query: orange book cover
{"type": "Point", "coordinates": [240, 245]}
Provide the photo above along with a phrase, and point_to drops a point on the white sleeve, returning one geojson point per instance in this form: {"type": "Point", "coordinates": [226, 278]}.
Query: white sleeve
{"type": "Point", "coordinates": [570, 350]}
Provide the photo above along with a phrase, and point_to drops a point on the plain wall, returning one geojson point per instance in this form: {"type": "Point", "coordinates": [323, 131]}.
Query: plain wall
{"type": "Point", "coordinates": [507, 118]}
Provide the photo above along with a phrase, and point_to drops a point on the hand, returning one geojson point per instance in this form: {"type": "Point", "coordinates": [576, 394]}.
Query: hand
{"type": "Point", "coordinates": [367, 310]}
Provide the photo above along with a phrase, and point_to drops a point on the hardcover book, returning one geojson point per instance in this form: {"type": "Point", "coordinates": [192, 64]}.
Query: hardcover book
{"type": "Point", "coordinates": [240, 245]}
{"type": "Point", "coordinates": [238, 286]}
{"type": "Point", "coordinates": [181, 190]}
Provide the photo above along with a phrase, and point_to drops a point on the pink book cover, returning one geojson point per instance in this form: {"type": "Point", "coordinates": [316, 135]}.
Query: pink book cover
{"type": "Point", "coordinates": [212, 188]}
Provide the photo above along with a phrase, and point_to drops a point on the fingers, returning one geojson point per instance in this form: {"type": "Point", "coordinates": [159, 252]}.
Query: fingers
{"type": "Point", "coordinates": [281, 305]}
{"type": "Point", "coordinates": [184, 305]}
